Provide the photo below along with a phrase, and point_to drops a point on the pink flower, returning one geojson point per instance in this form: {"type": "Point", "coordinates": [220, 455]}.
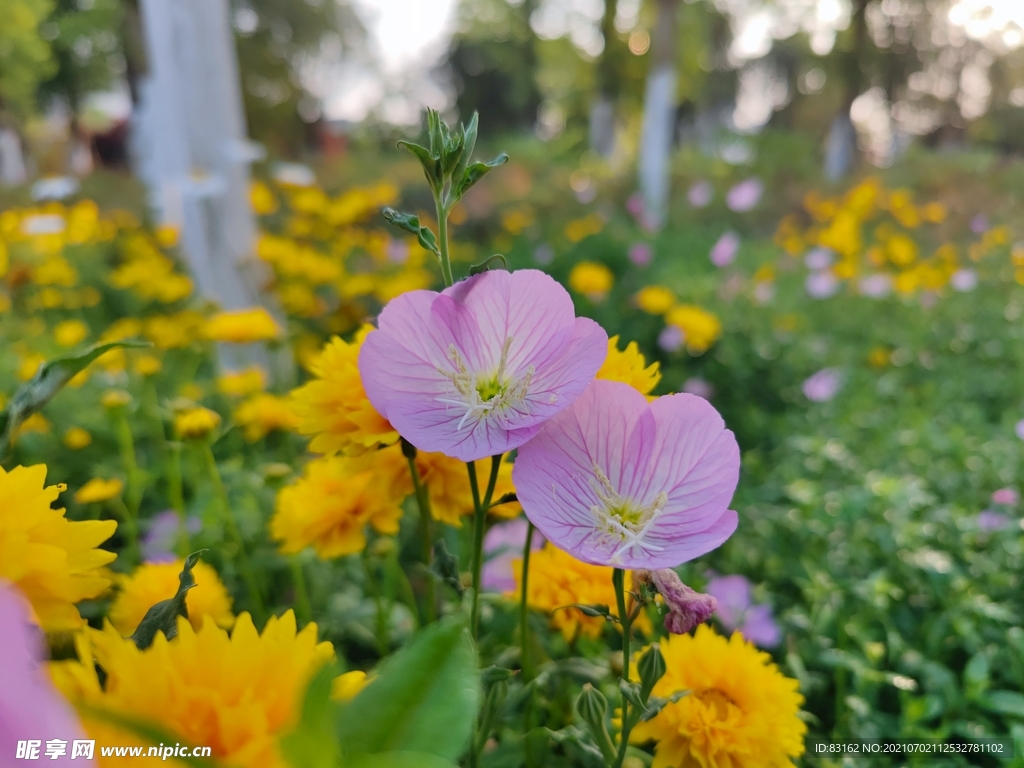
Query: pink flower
{"type": "Point", "coordinates": [737, 611]}
{"type": "Point", "coordinates": [1006, 496]}
{"type": "Point", "coordinates": [823, 386]}
{"type": "Point", "coordinates": [819, 258]}
{"type": "Point", "coordinates": [615, 480]}
{"type": "Point", "coordinates": [1018, 429]}
{"type": "Point", "coordinates": [979, 224]}
{"type": "Point", "coordinates": [476, 370]}
{"type": "Point", "coordinates": [671, 338]}
{"type": "Point", "coordinates": [635, 205]}
{"type": "Point", "coordinates": [686, 607]}
{"type": "Point", "coordinates": [641, 254]}
{"type": "Point", "coordinates": [991, 521]}
{"type": "Point", "coordinates": [875, 286]}
{"type": "Point", "coordinates": [744, 195]}
{"type": "Point", "coordinates": [700, 194]}
{"type": "Point", "coordinates": [503, 544]}
{"type": "Point", "coordinates": [699, 387]}
{"type": "Point", "coordinates": [964, 280]}
{"type": "Point", "coordinates": [723, 252]}
{"type": "Point", "coordinates": [30, 707]}
{"type": "Point", "coordinates": [821, 285]}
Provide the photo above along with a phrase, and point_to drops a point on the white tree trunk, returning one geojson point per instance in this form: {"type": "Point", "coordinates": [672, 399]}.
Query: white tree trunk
{"type": "Point", "coordinates": [12, 160]}
{"type": "Point", "coordinates": [841, 148]}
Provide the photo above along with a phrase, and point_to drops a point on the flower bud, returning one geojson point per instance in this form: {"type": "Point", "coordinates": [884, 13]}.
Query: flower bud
{"type": "Point", "coordinates": [686, 608]}
{"type": "Point", "coordinates": [651, 667]}
{"type": "Point", "coordinates": [592, 706]}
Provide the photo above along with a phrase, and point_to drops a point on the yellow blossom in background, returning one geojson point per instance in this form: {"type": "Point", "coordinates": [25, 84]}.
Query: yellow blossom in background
{"type": "Point", "coordinates": [700, 328]}
{"type": "Point", "coordinates": [629, 367]}
{"type": "Point", "coordinates": [331, 505]}
{"type": "Point", "coordinates": [53, 561]}
{"type": "Point", "coordinates": [242, 326]}
{"type": "Point", "coordinates": [740, 710]}
{"type": "Point", "coordinates": [70, 333]}
{"type": "Point", "coordinates": [98, 489]}
{"type": "Point", "coordinates": [244, 382]}
{"type": "Point", "coordinates": [148, 365]}
{"type": "Point", "coordinates": [934, 213]}
{"type": "Point", "coordinates": [115, 398]}
{"type": "Point", "coordinates": [878, 357]}
{"type": "Point", "coordinates": [448, 488]}
{"type": "Point", "coordinates": [167, 235]}
{"type": "Point", "coordinates": [264, 413]}
{"type": "Point", "coordinates": [152, 582]}
{"type": "Point", "coordinates": [29, 365]}
{"type": "Point", "coordinates": [902, 250]}
{"type": "Point", "coordinates": [174, 331]}
{"type": "Point", "coordinates": [195, 423]}
{"type": "Point", "coordinates": [579, 229]}
{"type": "Point", "coordinates": [591, 279]}
{"type": "Point", "coordinates": [655, 299]}
{"type": "Point", "coordinates": [347, 686]}
{"type": "Point", "coordinates": [516, 220]}
{"type": "Point", "coordinates": [235, 693]}
{"type": "Point", "coordinates": [333, 407]}
{"type": "Point", "coordinates": [35, 423]}
{"type": "Point", "coordinates": [557, 580]}
{"type": "Point", "coordinates": [262, 198]}
{"type": "Point", "coordinates": [77, 438]}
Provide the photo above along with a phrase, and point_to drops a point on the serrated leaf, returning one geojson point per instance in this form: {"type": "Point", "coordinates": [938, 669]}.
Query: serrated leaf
{"type": "Point", "coordinates": [1004, 703]}
{"type": "Point", "coordinates": [491, 262]}
{"type": "Point", "coordinates": [430, 162]}
{"type": "Point", "coordinates": [469, 133]}
{"type": "Point", "coordinates": [163, 617]}
{"type": "Point", "coordinates": [424, 698]}
{"type": "Point", "coordinates": [47, 382]}
{"type": "Point", "coordinates": [446, 567]}
{"type": "Point", "coordinates": [313, 742]}
{"type": "Point", "coordinates": [475, 172]}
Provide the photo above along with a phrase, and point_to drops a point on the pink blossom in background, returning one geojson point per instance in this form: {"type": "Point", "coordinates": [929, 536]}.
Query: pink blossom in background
{"type": "Point", "coordinates": [641, 254]}
{"type": "Point", "coordinates": [635, 205]}
{"type": "Point", "coordinates": [503, 544]}
{"type": "Point", "coordinates": [615, 480]}
{"type": "Point", "coordinates": [543, 254]}
{"type": "Point", "coordinates": [929, 299]}
{"type": "Point", "coordinates": [723, 252]}
{"type": "Point", "coordinates": [991, 521]}
{"type": "Point", "coordinates": [162, 536]}
{"type": "Point", "coordinates": [30, 706]}
{"type": "Point", "coordinates": [979, 224]}
{"type": "Point", "coordinates": [821, 285]}
{"type": "Point", "coordinates": [398, 251]}
{"type": "Point", "coordinates": [875, 286]}
{"type": "Point", "coordinates": [823, 386]}
{"type": "Point", "coordinates": [476, 370]}
{"type": "Point", "coordinates": [964, 280]}
{"type": "Point", "coordinates": [764, 291]}
{"type": "Point", "coordinates": [1018, 428]}
{"type": "Point", "coordinates": [671, 338]}
{"type": "Point", "coordinates": [700, 194]}
{"type": "Point", "coordinates": [737, 611]}
{"type": "Point", "coordinates": [819, 258]}
{"type": "Point", "coordinates": [1006, 496]}
{"type": "Point", "coordinates": [744, 195]}
{"type": "Point", "coordinates": [699, 387]}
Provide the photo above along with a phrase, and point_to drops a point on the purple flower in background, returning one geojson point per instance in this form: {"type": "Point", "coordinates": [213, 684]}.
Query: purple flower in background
{"type": "Point", "coordinates": [964, 280]}
{"type": "Point", "coordinates": [503, 544]}
{"type": "Point", "coordinates": [875, 286]}
{"type": "Point", "coordinates": [821, 285]}
{"type": "Point", "coordinates": [476, 370]}
{"type": "Point", "coordinates": [700, 194]}
{"type": "Point", "coordinates": [635, 205]}
{"type": "Point", "coordinates": [699, 387]}
{"type": "Point", "coordinates": [641, 254]}
{"type": "Point", "coordinates": [544, 254]}
{"type": "Point", "coordinates": [615, 480]}
{"type": "Point", "coordinates": [1018, 428]}
{"type": "Point", "coordinates": [30, 706]}
{"type": "Point", "coordinates": [819, 258]}
{"type": "Point", "coordinates": [723, 252]}
{"type": "Point", "coordinates": [737, 611]}
{"type": "Point", "coordinates": [764, 291]}
{"type": "Point", "coordinates": [744, 195]}
{"type": "Point", "coordinates": [979, 224]}
{"type": "Point", "coordinates": [1006, 496]}
{"type": "Point", "coordinates": [991, 521]}
{"type": "Point", "coordinates": [398, 251]}
{"type": "Point", "coordinates": [162, 536]}
{"type": "Point", "coordinates": [671, 338]}
{"type": "Point", "coordinates": [823, 386]}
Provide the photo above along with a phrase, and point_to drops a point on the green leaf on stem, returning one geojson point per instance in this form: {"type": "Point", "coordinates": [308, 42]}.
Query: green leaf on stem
{"type": "Point", "coordinates": [163, 617]}
{"type": "Point", "coordinates": [469, 133]}
{"type": "Point", "coordinates": [656, 703]}
{"type": "Point", "coordinates": [446, 567]}
{"type": "Point", "coordinates": [474, 173]}
{"type": "Point", "coordinates": [594, 611]}
{"type": "Point", "coordinates": [313, 743]}
{"type": "Point", "coordinates": [491, 262]}
{"type": "Point", "coordinates": [431, 164]}
{"type": "Point", "coordinates": [652, 668]}
{"type": "Point", "coordinates": [424, 698]}
{"type": "Point", "coordinates": [410, 222]}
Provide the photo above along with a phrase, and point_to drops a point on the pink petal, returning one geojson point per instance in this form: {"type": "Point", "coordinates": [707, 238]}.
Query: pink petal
{"type": "Point", "coordinates": [561, 381]}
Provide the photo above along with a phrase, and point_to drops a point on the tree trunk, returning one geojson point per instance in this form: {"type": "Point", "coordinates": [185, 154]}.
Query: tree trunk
{"type": "Point", "coordinates": [841, 149]}
{"type": "Point", "coordinates": [602, 111]}
{"type": "Point", "coordinates": [12, 159]}
{"type": "Point", "coordinates": [655, 167]}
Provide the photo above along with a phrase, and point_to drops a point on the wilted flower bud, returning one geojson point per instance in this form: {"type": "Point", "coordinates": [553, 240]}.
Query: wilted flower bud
{"type": "Point", "coordinates": [687, 608]}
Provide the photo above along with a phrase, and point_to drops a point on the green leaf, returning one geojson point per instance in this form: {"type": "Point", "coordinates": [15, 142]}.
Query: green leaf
{"type": "Point", "coordinates": [434, 132]}
{"type": "Point", "coordinates": [1004, 703]}
{"type": "Point", "coordinates": [47, 382]}
{"type": "Point", "coordinates": [163, 617]}
{"type": "Point", "coordinates": [651, 668]}
{"type": "Point", "coordinates": [424, 698]}
{"type": "Point", "coordinates": [491, 262]}
{"type": "Point", "coordinates": [446, 567]}
{"type": "Point", "coordinates": [469, 133]}
{"type": "Point", "coordinates": [656, 703]}
{"type": "Point", "coordinates": [427, 240]}
{"type": "Point", "coordinates": [474, 173]}
{"type": "Point", "coordinates": [313, 743]}
{"type": "Point", "coordinates": [398, 760]}
{"type": "Point", "coordinates": [594, 611]}
{"type": "Point", "coordinates": [408, 222]}
{"type": "Point", "coordinates": [431, 164]}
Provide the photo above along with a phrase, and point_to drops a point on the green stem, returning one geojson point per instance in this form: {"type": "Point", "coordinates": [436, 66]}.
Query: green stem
{"type": "Point", "coordinates": [374, 585]}
{"type": "Point", "coordinates": [126, 444]}
{"type": "Point", "coordinates": [479, 527]}
{"type": "Point", "coordinates": [442, 241]}
{"type": "Point", "coordinates": [619, 582]}
{"type": "Point", "coordinates": [426, 537]}
{"type": "Point", "coordinates": [176, 494]}
{"type": "Point", "coordinates": [303, 609]}
{"type": "Point", "coordinates": [233, 531]}
{"type": "Point", "coordinates": [131, 526]}
{"type": "Point", "coordinates": [524, 611]}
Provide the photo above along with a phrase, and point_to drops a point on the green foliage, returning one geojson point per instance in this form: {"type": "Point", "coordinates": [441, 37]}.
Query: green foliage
{"type": "Point", "coordinates": [163, 617]}
{"type": "Point", "coordinates": [25, 56]}
{"type": "Point", "coordinates": [314, 743]}
{"type": "Point", "coordinates": [87, 45]}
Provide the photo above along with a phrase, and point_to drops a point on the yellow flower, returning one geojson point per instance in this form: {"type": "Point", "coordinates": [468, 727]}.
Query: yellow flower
{"type": "Point", "coordinates": [264, 413]}
{"type": "Point", "coordinates": [741, 710]}
{"type": "Point", "coordinates": [34, 423]}
{"type": "Point", "coordinates": [448, 488]}
{"type": "Point", "coordinates": [347, 686]}
{"type": "Point", "coordinates": [244, 382]}
{"type": "Point", "coordinates": [152, 582]}
{"type": "Point", "coordinates": [557, 580]}
{"type": "Point", "coordinates": [236, 694]}
{"type": "Point", "coordinates": [330, 506]}
{"type": "Point", "coordinates": [655, 299]}
{"type": "Point", "coordinates": [879, 357]}
{"type": "Point", "coordinates": [115, 398]}
{"type": "Point", "coordinates": [53, 561]}
{"type": "Point", "coordinates": [70, 332]}
{"type": "Point", "coordinates": [262, 198]}
{"type": "Point", "coordinates": [148, 365]}
{"type": "Point", "coordinates": [98, 489]}
{"type": "Point", "coordinates": [334, 408]}
{"type": "Point", "coordinates": [933, 212]}
{"type": "Point", "coordinates": [167, 235]}
{"type": "Point", "coordinates": [242, 326]}
{"type": "Point", "coordinates": [29, 365]}
{"type": "Point", "coordinates": [77, 438]}
{"type": "Point", "coordinates": [591, 279]}
{"type": "Point", "coordinates": [579, 229]}
{"type": "Point", "coordinates": [700, 328]}
{"type": "Point", "coordinates": [196, 423]}
{"type": "Point", "coordinates": [627, 366]}
{"type": "Point", "coordinates": [901, 250]}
